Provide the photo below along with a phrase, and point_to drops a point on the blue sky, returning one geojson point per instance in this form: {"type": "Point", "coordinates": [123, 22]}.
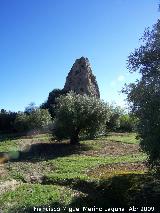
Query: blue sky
{"type": "Point", "coordinates": [40, 40]}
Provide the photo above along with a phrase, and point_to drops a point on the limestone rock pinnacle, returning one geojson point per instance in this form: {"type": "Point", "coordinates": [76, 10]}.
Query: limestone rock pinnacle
{"type": "Point", "coordinates": [81, 80]}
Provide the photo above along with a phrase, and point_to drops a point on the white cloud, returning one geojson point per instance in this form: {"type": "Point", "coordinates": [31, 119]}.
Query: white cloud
{"type": "Point", "coordinates": [120, 78]}
{"type": "Point", "coordinates": [113, 83]}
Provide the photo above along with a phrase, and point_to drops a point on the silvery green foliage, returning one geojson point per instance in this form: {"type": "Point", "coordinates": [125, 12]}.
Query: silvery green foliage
{"type": "Point", "coordinates": [144, 94]}
{"type": "Point", "coordinates": [38, 119]}
{"type": "Point", "coordinates": [114, 121]}
{"type": "Point", "coordinates": [79, 113]}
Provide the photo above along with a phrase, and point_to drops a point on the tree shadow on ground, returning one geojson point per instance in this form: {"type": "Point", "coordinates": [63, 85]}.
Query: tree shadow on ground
{"type": "Point", "coordinates": [12, 136]}
{"type": "Point", "coordinates": [44, 151]}
{"type": "Point", "coordinates": [121, 191]}
{"type": "Point", "coordinates": [22, 135]}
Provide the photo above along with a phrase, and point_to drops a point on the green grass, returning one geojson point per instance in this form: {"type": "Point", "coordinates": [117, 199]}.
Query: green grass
{"type": "Point", "coordinates": [66, 180]}
{"type": "Point", "coordinates": [121, 190]}
{"type": "Point", "coordinates": [77, 166]}
{"type": "Point", "coordinates": [9, 145]}
{"type": "Point", "coordinates": [29, 195]}
{"type": "Point", "coordinates": [129, 138]}
{"type": "Point", "coordinates": [14, 144]}
{"type": "Point", "coordinates": [94, 144]}
{"type": "Point", "coordinates": [64, 168]}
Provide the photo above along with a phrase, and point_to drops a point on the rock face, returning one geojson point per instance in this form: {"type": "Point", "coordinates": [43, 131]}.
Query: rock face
{"type": "Point", "coordinates": [81, 80]}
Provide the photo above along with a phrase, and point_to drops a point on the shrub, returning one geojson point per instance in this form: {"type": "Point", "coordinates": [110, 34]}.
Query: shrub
{"type": "Point", "coordinates": [78, 113]}
{"type": "Point", "coordinates": [6, 121]}
{"type": "Point", "coordinates": [38, 119]}
{"type": "Point", "coordinates": [113, 124]}
{"type": "Point", "coordinates": [128, 123]}
{"type": "Point", "coordinates": [21, 123]}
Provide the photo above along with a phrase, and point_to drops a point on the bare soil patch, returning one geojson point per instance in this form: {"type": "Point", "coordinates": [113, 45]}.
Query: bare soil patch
{"type": "Point", "coordinates": [114, 149]}
{"type": "Point", "coordinates": [103, 171]}
{"type": "Point", "coordinates": [8, 185]}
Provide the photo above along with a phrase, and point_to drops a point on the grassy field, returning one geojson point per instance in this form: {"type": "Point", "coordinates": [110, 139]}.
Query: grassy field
{"type": "Point", "coordinates": [106, 172]}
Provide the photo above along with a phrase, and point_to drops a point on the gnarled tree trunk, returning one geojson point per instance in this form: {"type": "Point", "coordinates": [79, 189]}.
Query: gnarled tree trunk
{"type": "Point", "coordinates": [75, 137]}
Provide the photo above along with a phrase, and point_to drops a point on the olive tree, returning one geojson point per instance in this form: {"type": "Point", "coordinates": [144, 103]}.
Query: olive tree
{"type": "Point", "coordinates": [114, 121]}
{"type": "Point", "coordinates": [77, 113]}
{"type": "Point", "coordinates": [38, 119]}
{"type": "Point", "coordinates": [144, 94]}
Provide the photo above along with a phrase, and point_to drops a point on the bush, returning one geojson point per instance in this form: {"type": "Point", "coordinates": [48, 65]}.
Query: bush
{"type": "Point", "coordinates": [38, 119]}
{"type": "Point", "coordinates": [114, 121]}
{"type": "Point", "coordinates": [6, 121]}
{"type": "Point", "coordinates": [21, 123]}
{"type": "Point", "coordinates": [128, 123]}
{"type": "Point", "coordinates": [77, 114]}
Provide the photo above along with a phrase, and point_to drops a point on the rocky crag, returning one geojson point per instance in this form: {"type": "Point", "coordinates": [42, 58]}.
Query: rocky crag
{"type": "Point", "coordinates": [81, 80]}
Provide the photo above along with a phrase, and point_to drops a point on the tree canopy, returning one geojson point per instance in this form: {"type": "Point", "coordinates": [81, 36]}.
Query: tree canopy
{"type": "Point", "coordinates": [144, 94]}
{"type": "Point", "coordinates": [38, 119]}
{"type": "Point", "coordinates": [50, 104]}
{"type": "Point", "coordinates": [77, 113]}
